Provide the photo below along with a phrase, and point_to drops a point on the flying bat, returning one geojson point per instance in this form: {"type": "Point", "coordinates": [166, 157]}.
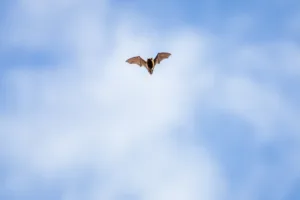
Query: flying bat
{"type": "Point", "coordinates": [150, 63]}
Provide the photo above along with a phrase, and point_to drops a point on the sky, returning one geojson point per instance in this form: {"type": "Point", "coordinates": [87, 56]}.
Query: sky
{"type": "Point", "coordinates": [218, 120]}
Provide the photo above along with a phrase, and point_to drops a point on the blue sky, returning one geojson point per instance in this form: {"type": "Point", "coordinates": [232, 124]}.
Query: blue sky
{"type": "Point", "coordinates": [218, 120]}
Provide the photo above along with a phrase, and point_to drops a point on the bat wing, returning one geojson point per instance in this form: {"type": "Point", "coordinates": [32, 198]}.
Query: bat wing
{"type": "Point", "coordinates": [161, 56]}
{"type": "Point", "coordinates": [137, 60]}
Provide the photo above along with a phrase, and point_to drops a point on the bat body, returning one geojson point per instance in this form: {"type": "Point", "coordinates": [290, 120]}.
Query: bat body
{"type": "Point", "coordinates": [150, 63]}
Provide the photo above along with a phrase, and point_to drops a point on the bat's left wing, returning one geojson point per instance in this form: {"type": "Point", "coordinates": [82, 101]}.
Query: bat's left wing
{"type": "Point", "coordinates": [161, 56]}
{"type": "Point", "coordinates": [137, 60]}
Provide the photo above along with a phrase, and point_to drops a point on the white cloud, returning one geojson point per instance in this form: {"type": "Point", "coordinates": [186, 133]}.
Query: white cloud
{"type": "Point", "coordinates": [94, 112]}
{"type": "Point", "coordinates": [257, 103]}
{"type": "Point", "coordinates": [99, 112]}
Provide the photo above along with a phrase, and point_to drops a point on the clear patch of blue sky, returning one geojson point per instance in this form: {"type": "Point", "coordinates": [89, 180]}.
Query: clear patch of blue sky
{"type": "Point", "coordinates": [270, 17]}
{"type": "Point", "coordinates": [232, 141]}
{"type": "Point", "coordinates": [294, 193]}
{"type": "Point", "coordinates": [5, 7]}
{"type": "Point", "coordinates": [40, 189]}
{"type": "Point", "coordinates": [24, 57]}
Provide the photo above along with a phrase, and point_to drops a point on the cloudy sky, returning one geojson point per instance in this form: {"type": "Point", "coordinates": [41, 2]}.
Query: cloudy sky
{"type": "Point", "coordinates": [218, 120]}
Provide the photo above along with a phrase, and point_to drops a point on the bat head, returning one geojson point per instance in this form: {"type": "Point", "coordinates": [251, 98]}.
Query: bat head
{"type": "Point", "coordinates": [150, 70]}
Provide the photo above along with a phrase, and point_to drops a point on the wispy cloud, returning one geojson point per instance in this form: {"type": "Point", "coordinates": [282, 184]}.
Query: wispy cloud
{"type": "Point", "coordinates": [94, 127]}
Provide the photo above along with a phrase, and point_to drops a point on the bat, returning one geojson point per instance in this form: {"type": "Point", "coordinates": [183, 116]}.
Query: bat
{"type": "Point", "coordinates": [150, 63]}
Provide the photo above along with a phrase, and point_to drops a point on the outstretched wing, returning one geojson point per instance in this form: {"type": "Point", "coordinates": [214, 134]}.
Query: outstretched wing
{"type": "Point", "coordinates": [160, 56]}
{"type": "Point", "coordinates": [137, 60]}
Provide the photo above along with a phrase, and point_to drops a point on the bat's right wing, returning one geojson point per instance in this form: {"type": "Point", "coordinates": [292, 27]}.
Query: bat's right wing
{"type": "Point", "coordinates": [137, 60]}
{"type": "Point", "coordinates": [161, 56]}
